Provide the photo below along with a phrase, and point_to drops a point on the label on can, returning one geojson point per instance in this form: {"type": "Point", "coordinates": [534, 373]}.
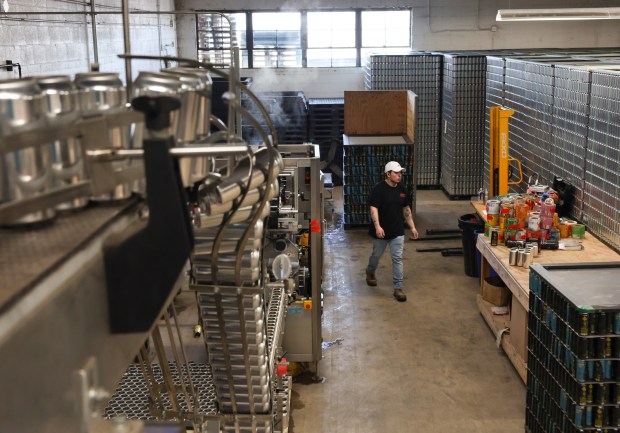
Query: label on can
{"type": "Point", "coordinates": [494, 236]}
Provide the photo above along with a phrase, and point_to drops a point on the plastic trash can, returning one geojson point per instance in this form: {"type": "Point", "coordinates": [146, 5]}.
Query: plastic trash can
{"type": "Point", "coordinates": [470, 224]}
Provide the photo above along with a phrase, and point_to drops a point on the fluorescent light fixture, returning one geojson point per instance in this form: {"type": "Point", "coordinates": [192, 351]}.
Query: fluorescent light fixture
{"type": "Point", "coordinates": [560, 14]}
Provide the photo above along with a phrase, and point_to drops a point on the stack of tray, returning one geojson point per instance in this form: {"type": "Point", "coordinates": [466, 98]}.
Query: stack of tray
{"type": "Point", "coordinates": [325, 128]}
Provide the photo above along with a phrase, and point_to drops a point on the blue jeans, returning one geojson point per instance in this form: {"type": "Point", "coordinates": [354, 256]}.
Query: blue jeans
{"type": "Point", "coordinates": [396, 251]}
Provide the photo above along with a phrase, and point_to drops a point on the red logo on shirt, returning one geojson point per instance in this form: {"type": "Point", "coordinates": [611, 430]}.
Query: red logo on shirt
{"type": "Point", "coordinates": [402, 195]}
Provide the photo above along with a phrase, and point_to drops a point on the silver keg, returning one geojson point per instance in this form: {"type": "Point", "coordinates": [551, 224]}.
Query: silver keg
{"type": "Point", "coordinates": [100, 92]}
{"type": "Point", "coordinates": [24, 173]}
{"type": "Point", "coordinates": [61, 104]}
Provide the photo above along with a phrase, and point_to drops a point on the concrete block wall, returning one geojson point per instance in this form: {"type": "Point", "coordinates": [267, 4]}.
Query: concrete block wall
{"type": "Point", "coordinates": [62, 44]}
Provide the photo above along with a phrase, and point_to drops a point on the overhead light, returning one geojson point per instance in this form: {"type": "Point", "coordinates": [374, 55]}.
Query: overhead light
{"type": "Point", "coordinates": [558, 14]}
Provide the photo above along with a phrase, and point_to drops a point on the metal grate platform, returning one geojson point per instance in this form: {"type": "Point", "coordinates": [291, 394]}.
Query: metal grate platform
{"type": "Point", "coordinates": [133, 400]}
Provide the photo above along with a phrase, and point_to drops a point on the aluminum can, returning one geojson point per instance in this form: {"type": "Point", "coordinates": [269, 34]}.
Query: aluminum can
{"type": "Point", "coordinates": [24, 173]}
{"type": "Point", "coordinates": [512, 257]}
{"type": "Point", "coordinates": [66, 155]}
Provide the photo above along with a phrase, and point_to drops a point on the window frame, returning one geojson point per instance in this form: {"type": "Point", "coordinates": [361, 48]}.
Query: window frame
{"type": "Point", "coordinates": [304, 34]}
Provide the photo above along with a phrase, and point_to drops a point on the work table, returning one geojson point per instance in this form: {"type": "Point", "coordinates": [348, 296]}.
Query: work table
{"type": "Point", "coordinates": [516, 278]}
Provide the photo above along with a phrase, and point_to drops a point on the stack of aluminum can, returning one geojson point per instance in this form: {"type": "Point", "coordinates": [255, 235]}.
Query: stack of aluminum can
{"type": "Point", "coordinates": [601, 203]}
{"type": "Point", "coordinates": [573, 350]}
{"type": "Point", "coordinates": [363, 168]}
{"type": "Point", "coordinates": [421, 73]}
{"type": "Point", "coordinates": [570, 128]}
{"type": "Point", "coordinates": [529, 92]}
{"type": "Point", "coordinates": [231, 324]}
{"type": "Point", "coordinates": [462, 139]}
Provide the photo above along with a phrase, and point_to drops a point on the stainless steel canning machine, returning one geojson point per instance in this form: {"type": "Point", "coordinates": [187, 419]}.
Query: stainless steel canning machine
{"type": "Point", "coordinates": [114, 203]}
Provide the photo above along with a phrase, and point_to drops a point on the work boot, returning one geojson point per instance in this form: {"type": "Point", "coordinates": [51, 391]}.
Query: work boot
{"type": "Point", "coordinates": [400, 295]}
{"type": "Point", "coordinates": [371, 280]}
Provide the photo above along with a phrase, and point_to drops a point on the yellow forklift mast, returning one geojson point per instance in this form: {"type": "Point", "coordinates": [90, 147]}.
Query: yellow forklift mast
{"type": "Point", "coordinates": [499, 167]}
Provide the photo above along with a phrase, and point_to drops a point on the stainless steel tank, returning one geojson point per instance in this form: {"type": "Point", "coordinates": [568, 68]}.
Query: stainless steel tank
{"type": "Point", "coordinates": [61, 105]}
{"type": "Point", "coordinates": [100, 92]}
{"type": "Point", "coordinates": [24, 173]}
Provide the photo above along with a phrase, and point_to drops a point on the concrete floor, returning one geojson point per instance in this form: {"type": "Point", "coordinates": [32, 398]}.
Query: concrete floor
{"type": "Point", "coordinates": [427, 365]}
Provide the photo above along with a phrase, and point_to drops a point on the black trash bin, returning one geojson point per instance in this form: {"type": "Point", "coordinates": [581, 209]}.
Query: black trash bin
{"type": "Point", "coordinates": [470, 224]}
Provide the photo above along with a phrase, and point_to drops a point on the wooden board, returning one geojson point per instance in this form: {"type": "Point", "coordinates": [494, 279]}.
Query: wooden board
{"type": "Point", "coordinates": [411, 115]}
{"type": "Point", "coordinates": [375, 112]}
{"type": "Point", "coordinates": [496, 324]}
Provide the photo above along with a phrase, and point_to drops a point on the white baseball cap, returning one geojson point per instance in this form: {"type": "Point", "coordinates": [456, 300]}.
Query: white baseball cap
{"type": "Point", "coordinates": [393, 166]}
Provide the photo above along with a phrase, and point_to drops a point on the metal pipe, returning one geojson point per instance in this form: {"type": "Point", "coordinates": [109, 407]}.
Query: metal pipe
{"type": "Point", "coordinates": [128, 75]}
{"type": "Point", "coordinates": [179, 152]}
{"type": "Point", "coordinates": [94, 25]}
{"type": "Point", "coordinates": [134, 12]}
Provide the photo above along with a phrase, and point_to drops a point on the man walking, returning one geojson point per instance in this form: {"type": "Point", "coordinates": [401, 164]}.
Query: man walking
{"type": "Point", "coordinates": [390, 210]}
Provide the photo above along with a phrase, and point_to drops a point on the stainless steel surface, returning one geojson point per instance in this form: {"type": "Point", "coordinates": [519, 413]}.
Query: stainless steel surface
{"type": "Point", "coordinates": [56, 316]}
{"type": "Point", "coordinates": [305, 205]}
{"type": "Point", "coordinates": [241, 350]}
{"type": "Point", "coordinates": [126, 45]}
{"type": "Point", "coordinates": [24, 173]}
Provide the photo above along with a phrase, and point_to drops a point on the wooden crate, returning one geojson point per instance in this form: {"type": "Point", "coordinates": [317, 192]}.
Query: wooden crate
{"type": "Point", "coordinates": [380, 112]}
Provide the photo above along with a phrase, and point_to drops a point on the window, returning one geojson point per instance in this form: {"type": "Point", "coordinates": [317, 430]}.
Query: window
{"type": "Point", "coordinates": [331, 39]}
{"type": "Point", "coordinates": [276, 39]}
{"type": "Point", "coordinates": [302, 38]}
{"type": "Point", "coordinates": [385, 31]}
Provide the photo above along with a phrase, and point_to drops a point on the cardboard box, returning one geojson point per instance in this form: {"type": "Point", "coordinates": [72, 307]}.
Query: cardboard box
{"type": "Point", "coordinates": [495, 291]}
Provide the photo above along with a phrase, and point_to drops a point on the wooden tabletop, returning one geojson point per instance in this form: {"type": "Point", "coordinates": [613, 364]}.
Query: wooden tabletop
{"type": "Point", "coordinates": [517, 278]}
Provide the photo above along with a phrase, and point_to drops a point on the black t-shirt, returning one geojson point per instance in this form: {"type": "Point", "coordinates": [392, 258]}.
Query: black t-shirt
{"type": "Point", "coordinates": [390, 202]}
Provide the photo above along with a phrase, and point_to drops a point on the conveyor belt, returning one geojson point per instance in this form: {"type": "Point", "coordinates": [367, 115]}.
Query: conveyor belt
{"type": "Point", "coordinates": [28, 254]}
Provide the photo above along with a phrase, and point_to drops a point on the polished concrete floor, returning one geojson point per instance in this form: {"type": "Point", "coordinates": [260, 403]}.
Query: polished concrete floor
{"type": "Point", "coordinates": [427, 365]}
